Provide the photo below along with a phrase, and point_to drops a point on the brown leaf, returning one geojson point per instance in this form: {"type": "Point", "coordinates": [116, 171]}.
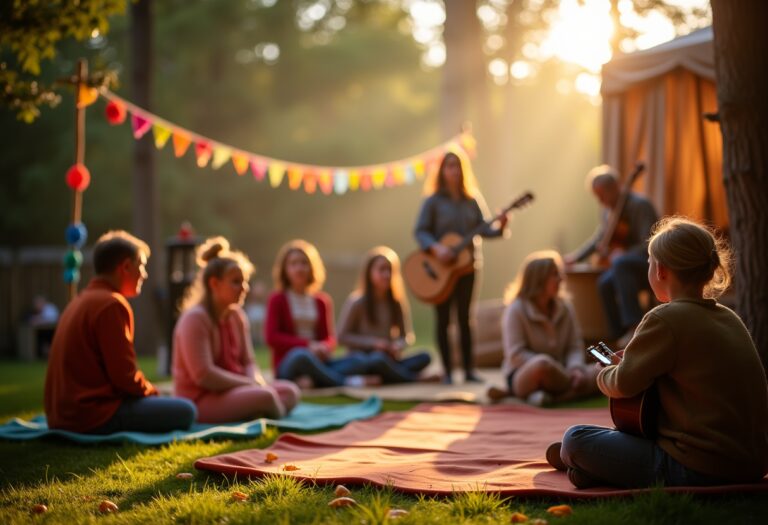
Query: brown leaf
{"type": "Point", "coordinates": [341, 491]}
{"type": "Point", "coordinates": [396, 513]}
{"type": "Point", "coordinates": [185, 475]}
{"type": "Point", "coordinates": [270, 457]}
{"type": "Point", "coordinates": [39, 509]}
{"type": "Point", "coordinates": [560, 510]}
{"type": "Point", "coordinates": [289, 468]}
{"type": "Point", "coordinates": [518, 517]}
{"type": "Point", "coordinates": [239, 496]}
{"type": "Point", "coordinates": [107, 507]}
{"type": "Point", "coordinates": [342, 502]}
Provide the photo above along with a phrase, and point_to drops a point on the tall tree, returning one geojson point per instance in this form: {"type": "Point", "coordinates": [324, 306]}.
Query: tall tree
{"type": "Point", "coordinates": [144, 193]}
{"type": "Point", "coordinates": [741, 69]}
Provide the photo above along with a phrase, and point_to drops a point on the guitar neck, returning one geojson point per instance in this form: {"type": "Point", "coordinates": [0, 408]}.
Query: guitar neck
{"type": "Point", "coordinates": [467, 239]}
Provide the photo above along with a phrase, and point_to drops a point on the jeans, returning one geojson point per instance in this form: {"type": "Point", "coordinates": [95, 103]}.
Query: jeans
{"type": "Point", "coordinates": [391, 371]}
{"type": "Point", "coordinates": [302, 362]}
{"type": "Point", "coordinates": [619, 287]}
{"type": "Point", "coordinates": [150, 414]}
{"type": "Point", "coordinates": [462, 297]}
{"type": "Point", "coordinates": [615, 458]}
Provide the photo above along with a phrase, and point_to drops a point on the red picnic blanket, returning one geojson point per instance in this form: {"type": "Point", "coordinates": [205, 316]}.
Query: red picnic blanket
{"type": "Point", "coordinates": [438, 449]}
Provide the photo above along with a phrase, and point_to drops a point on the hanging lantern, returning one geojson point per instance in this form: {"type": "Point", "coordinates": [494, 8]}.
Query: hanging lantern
{"type": "Point", "coordinates": [115, 112]}
{"type": "Point", "coordinates": [78, 177]}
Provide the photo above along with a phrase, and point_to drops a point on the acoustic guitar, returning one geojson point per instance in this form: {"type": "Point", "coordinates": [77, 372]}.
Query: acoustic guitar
{"type": "Point", "coordinates": [616, 230]}
{"type": "Point", "coordinates": [636, 415]}
{"type": "Point", "coordinates": [431, 280]}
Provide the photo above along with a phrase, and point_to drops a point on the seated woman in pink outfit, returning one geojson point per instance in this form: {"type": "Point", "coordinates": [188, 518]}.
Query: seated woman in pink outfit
{"type": "Point", "coordinates": [212, 354]}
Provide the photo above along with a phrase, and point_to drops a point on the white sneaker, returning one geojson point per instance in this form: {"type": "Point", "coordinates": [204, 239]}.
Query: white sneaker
{"type": "Point", "coordinates": [539, 398]}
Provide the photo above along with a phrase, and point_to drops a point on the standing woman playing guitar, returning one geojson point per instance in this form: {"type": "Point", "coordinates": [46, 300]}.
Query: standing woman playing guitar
{"type": "Point", "coordinates": [452, 206]}
{"type": "Point", "coordinates": [712, 423]}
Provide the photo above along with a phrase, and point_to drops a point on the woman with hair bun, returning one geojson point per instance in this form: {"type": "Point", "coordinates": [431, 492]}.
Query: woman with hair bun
{"type": "Point", "coordinates": [212, 354]}
{"type": "Point", "coordinates": [713, 397]}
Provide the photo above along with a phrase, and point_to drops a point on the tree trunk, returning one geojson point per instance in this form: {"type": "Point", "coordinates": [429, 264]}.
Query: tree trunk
{"type": "Point", "coordinates": [144, 194]}
{"type": "Point", "coordinates": [741, 69]}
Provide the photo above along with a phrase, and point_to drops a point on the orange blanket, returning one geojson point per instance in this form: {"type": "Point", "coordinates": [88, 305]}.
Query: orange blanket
{"type": "Point", "coordinates": [437, 449]}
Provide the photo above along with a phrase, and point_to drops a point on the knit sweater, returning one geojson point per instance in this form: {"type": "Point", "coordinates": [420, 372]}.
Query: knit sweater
{"type": "Point", "coordinates": [358, 333]}
{"type": "Point", "coordinates": [92, 366]}
{"type": "Point", "coordinates": [712, 387]}
{"type": "Point", "coordinates": [525, 332]}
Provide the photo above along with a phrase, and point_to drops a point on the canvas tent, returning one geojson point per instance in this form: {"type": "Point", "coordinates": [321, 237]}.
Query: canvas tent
{"type": "Point", "coordinates": [653, 102]}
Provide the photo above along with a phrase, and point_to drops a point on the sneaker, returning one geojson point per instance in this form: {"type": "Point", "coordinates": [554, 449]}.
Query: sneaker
{"type": "Point", "coordinates": [580, 480]}
{"type": "Point", "coordinates": [553, 456]}
{"type": "Point", "coordinates": [539, 398]}
{"type": "Point", "coordinates": [472, 378]}
{"type": "Point", "coordinates": [495, 393]}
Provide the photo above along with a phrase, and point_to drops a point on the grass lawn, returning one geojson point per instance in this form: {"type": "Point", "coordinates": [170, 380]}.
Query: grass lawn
{"type": "Point", "coordinates": [73, 479]}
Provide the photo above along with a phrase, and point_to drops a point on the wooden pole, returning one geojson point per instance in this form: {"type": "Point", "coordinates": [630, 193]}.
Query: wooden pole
{"type": "Point", "coordinates": [77, 197]}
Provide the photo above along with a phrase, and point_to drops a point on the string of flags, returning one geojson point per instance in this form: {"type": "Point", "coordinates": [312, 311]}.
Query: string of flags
{"type": "Point", "coordinates": [297, 176]}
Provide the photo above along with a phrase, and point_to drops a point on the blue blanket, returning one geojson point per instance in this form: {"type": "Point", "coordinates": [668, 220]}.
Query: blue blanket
{"type": "Point", "coordinates": [306, 416]}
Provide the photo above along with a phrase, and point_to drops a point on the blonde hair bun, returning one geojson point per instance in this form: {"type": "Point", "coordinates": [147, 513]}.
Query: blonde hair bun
{"type": "Point", "coordinates": [210, 249]}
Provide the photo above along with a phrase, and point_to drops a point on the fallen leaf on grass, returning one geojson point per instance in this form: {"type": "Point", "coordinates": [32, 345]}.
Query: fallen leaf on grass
{"type": "Point", "coordinates": [185, 475]}
{"type": "Point", "coordinates": [270, 457]}
{"type": "Point", "coordinates": [396, 513]}
{"type": "Point", "coordinates": [107, 507]}
{"type": "Point", "coordinates": [289, 468]}
{"type": "Point", "coordinates": [518, 517]}
{"type": "Point", "coordinates": [342, 502]}
{"type": "Point", "coordinates": [39, 509]}
{"type": "Point", "coordinates": [341, 491]}
{"type": "Point", "coordinates": [560, 510]}
{"type": "Point", "coordinates": [239, 496]}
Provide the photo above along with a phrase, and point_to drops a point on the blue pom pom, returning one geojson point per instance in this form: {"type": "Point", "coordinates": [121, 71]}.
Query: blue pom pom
{"type": "Point", "coordinates": [76, 235]}
{"type": "Point", "coordinates": [71, 275]}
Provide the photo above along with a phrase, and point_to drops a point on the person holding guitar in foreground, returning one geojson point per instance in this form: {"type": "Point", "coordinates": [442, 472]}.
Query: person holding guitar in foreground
{"type": "Point", "coordinates": [452, 207]}
{"type": "Point", "coordinates": [622, 250]}
{"type": "Point", "coordinates": [712, 423]}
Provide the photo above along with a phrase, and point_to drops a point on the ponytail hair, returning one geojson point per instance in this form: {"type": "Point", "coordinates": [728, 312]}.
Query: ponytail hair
{"type": "Point", "coordinates": [694, 253]}
{"type": "Point", "coordinates": [214, 258]}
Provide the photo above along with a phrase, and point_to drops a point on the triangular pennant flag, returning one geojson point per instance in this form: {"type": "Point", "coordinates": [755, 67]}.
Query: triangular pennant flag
{"type": "Point", "coordinates": [398, 175]}
{"type": "Point", "coordinates": [365, 181]}
{"type": "Point", "coordinates": [181, 143]}
{"type": "Point", "coordinates": [240, 162]}
{"type": "Point", "coordinates": [86, 96]}
{"type": "Point", "coordinates": [221, 154]}
{"type": "Point", "coordinates": [418, 168]}
{"type": "Point", "coordinates": [202, 153]}
{"type": "Point", "coordinates": [378, 177]}
{"type": "Point", "coordinates": [162, 134]}
{"type": "Point", "coordinates": [276, 174]}
{"type": "Point", "coordinates": [354, 180]}
{"type": "Point", "coordinates": [295, 174]}
{"type": "Point", "coordinates": [259, 169]}
{"type": "Point", "coordinates": [390, 180]}
{"type": "Point", "coordinates": [310, 182]}
{"type": "Point", "coordinates": [340, 182]}
{"type": "Point", "coordinates": [325, 181]}
{"type": "Point", "coordinates": [140, 126]}
{"type": "Point", "coordinates": [410, 174]}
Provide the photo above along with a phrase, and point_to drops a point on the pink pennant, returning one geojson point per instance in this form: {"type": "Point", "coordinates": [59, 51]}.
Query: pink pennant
{"type": "Point", "coordinates": [258, 169]}
{"type": "Point", "coordinates": [140, 126]}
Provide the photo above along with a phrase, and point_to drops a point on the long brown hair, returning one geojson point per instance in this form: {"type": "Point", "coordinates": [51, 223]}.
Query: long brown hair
{"type": "Point", "coordinates": [396, 298]}
{"type": "Point", "coordinates": [316, 267]}
{"type": "Point", "coordinates": [214, 259]}
{"type": "Point", "coordinates": [435, 182]}
{"type": "Point", "coordinates": [693, 252]}
{"type": "Point", "coordinates": [533, 274]}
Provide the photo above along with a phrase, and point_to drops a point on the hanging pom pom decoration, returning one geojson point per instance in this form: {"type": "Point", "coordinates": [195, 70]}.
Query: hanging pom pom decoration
{"type": "Point", "coordinates": [115, 112]}
{"type": "Point", "coordinates": [73, 260]}
{"type": "Point", "coordinates": [71, 275]}
{"type": "Point", "coordinates": [76, 235]}
{"type": "Point", "coordinates": [78, 177]}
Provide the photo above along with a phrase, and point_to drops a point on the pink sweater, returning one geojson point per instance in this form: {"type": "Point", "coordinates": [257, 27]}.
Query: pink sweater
{"type": "Point", "coordinates": [196, 350]}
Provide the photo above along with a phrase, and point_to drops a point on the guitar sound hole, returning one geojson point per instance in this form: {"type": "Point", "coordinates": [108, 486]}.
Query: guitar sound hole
{"type": "Point", "coordinates": [430, 272]}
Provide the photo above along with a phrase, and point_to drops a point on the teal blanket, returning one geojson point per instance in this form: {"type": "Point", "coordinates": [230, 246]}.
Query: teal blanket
{"type": "Point", "coordinates": [306, 416]}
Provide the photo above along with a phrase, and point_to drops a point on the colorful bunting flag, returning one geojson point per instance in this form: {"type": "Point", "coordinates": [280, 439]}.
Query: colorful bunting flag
{"type": "Point", "coordinates": [240, 162]}
{"type": "Point", "coordinates": [162, 134]}
{"type": "Point", "coordinates": [140, 126]}
{"type": "Point", "coordinates": [221, 156]}
{"type": "Point", "coordinates": [203, 153]}
{"type": "Point", "coordinates": [276, 174]}
{"type": "Point", "coordinates": [181, 143]}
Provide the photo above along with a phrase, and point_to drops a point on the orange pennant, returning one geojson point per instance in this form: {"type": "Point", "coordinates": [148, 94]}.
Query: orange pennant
{"type": "Point", "coordinates": [181, 143]}
{"type": "Point", "coordinates": [240, 162]}
{"type": "Point", "coordinates": [86, 96]}
{"type": "Point", "coordinates": [295, 174]}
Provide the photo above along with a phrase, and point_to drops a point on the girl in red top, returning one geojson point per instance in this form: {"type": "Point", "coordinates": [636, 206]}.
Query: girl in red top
{"type": "Point", "coordinates": [299, 324]}
{"type": "Point", "coordinates": [212, 354]}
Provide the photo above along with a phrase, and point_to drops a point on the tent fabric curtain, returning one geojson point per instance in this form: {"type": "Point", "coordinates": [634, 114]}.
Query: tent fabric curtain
{"type": "Point", "coordinates": [659, 119]}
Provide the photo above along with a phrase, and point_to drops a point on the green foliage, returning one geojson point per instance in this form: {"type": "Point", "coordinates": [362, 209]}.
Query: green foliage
{"type": "Point", "coordinates": [32, 31]}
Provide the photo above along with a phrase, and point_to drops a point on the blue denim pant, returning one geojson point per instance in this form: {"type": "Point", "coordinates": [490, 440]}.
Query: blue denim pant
{"type": "Point", "coordinates": [302, 362]}
{"type": "Point", "coordinates": [150, 414]}
{"type": "Point", "coordinates": [619, 287]}
{"type": "Point", "coordinates": [615, 458]}
{"type": "Point", "coordinates": [391, 371]}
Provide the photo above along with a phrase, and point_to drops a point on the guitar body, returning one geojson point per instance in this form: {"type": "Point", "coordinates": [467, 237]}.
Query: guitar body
{"type": "Point", "coordinates": [432, 281]}
{"type": "Point", "coordinates": [637, 415]}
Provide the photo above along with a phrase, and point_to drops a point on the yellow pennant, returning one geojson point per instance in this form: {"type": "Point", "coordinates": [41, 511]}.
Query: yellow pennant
{"type": "Point", "coordinates": [276, 173]}
{"type": "Point", "coordinates": [379, 177]}
{"type": "Point", "coordinates": [418, 168]}
{"type": "Point", "coordinates": [354, 180]}
{"type": "Point", "coordinates": [295, 175]}
{"type": "Point", "coordinates": [221, 155]}
{"type": "Point", "coordinates": [161, 134]}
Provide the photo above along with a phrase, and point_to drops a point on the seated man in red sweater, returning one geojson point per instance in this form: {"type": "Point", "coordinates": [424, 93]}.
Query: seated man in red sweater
{"type": "Point", "coordinates": [93, 384]}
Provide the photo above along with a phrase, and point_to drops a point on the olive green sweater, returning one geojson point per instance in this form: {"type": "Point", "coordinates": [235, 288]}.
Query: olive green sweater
{"type": "Point", "coordinates": [712, 387]}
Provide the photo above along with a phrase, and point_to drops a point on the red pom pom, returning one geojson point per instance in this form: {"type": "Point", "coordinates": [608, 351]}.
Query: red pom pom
{"type": "Point", "coordinates": [115, 112]}
{"type": "Point", "coordinates": [78, 177]}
